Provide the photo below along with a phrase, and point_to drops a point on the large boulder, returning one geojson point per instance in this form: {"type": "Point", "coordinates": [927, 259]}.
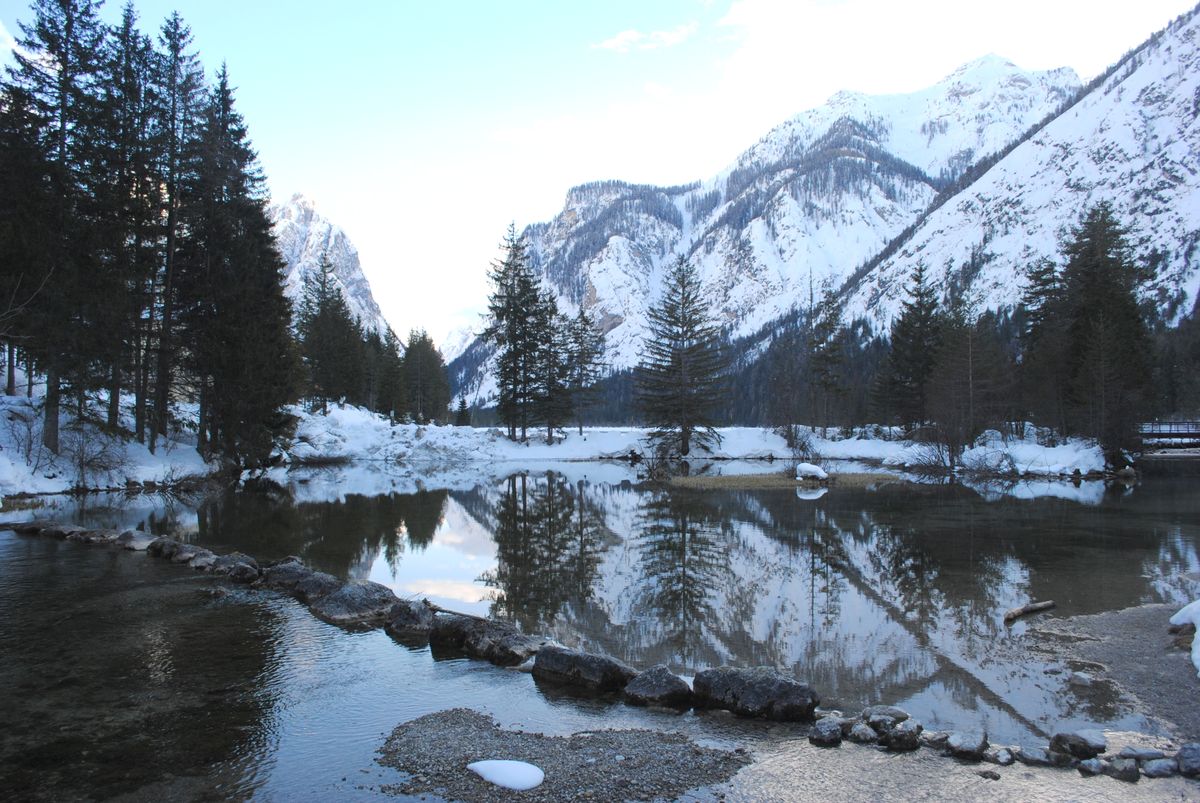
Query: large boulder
{"type": "Point", "coordinates": [317, 585]}
{"type": "Point", "coordinates": [827, 732]}
{"type": "Point", "coordinates": [1160, 768]}
{"type": "Point", "coordinates": [409, 617]}
{"type": "Point", "coordinates": [95, 536]}
{"type": "Point", "coordinates": [355, 604]}
{"type": "Point", "coordinates": [163, 547]}
{"type": "Point", "coordinates": [498, 642]}
{"type": "Point", "coordinates": [28, 527]}
{"type": "Point", "coordinates": [658, 685]}
{"type": "Point", "coordinates": [1189, 759]}
{"type": "Point", "coordinates": [968, 746]}
{"type": "Point", "coordinates": [597, 673]}
{"type": "Point", "coordinates": [237, 567]}
{"type": "Point", "coordinates": [58, 530]}
{"type": "Point", "coordinates": [186, 552]}
{"type": "Point", "coordinates": [135, 540]}
{"type": "Point", "coordinates": [862, 733]}
{"type": "Point", "coordinates": [285, 574]}
{"type": "Point", "coordinates": [1079, 744]}
{"type": "Point", "coordinates": [1123, 769]}
{"type": "Point", "coordinates": [757, 692]}
{"type": "Point", "coordinates": [903, 738]}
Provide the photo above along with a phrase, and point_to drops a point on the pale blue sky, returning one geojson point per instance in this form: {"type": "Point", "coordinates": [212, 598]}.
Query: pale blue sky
{"type": "Point", "coordinates": [424, 128]}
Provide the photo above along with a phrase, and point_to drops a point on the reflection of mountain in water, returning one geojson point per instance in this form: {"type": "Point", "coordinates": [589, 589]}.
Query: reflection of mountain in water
{"type": "Point", "coordinates": [892, 595]}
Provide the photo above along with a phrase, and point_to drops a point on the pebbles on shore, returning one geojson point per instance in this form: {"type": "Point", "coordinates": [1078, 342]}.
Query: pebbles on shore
{"type": "Point", "coordinates": [609, 765]}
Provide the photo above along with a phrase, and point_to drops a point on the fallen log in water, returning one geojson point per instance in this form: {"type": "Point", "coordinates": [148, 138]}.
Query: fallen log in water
{"type": "Point", "coordinates": [1024, 610]}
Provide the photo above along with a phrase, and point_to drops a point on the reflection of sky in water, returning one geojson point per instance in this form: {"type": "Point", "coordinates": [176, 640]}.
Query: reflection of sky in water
{"type": "Point", "coordinates": [447, 571]}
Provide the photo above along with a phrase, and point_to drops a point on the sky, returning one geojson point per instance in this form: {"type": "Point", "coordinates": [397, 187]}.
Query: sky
{"type": "Point", "coordinates": [424, 128]}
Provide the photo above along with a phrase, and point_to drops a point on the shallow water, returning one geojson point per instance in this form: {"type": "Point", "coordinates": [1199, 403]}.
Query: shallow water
{"type": "Point", "coordinates": [124, 675]}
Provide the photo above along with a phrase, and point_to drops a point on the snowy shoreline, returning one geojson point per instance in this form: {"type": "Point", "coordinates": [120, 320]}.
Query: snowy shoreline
{"type": "Point", "coordinates": [346, 435]}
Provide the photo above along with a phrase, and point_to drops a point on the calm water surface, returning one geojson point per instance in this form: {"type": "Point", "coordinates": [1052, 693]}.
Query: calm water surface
{"type": "Point", "coordinates": [121, 675]}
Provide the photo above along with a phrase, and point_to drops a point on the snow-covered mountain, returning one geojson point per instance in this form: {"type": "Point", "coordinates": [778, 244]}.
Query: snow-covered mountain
{"type": "Point", "coordinates": [1132, 140]}
{"type": "Point", "coordinates": [812, 201]}
{"type": "Point", "coordinates": [303, 235]}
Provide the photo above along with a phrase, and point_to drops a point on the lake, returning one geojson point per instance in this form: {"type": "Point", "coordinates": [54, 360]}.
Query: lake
{"type": "Point", "coordinates": [120, 674]}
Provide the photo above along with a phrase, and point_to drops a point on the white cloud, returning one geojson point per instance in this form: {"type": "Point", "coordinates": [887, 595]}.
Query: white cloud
{"type": "Point", "coordinates": [635, 39]}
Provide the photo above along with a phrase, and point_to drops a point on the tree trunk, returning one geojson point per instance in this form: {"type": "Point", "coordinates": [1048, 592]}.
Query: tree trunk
{"type": "Point", "coordinates": [50, 424]}
{"type": "Point", "coordinates": [114, 397]}
{"type": "Point", "coordinates": [10, 384]}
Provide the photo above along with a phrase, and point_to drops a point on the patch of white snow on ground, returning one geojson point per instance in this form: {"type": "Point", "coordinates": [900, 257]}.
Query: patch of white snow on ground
{"type": "Point", "coordinates": [518, 775]}
{"type": "Point", "coordinates": [1190, 614]}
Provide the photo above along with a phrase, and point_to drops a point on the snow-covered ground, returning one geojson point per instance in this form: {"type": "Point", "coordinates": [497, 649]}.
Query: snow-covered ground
{"type": "Point", "coordinates": [394, 456]}
{"type": "Point", "coordinates": [105, 462]}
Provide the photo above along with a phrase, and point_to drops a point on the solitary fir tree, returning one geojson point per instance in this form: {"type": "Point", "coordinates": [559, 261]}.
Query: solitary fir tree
{"type": "Point", "coordinates": [513, 327]}
{"type": "Point", "coordinates": [681, 381]}
{"type": "Point", "coordinates": [916, 334]}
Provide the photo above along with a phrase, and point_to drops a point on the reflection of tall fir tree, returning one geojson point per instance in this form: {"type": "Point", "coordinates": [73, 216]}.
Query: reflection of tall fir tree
{"type": "Point", "coordinates": [547, 550]}
{"type": "Point", "coordinates": [684, 561]}
{"type": "Point", "coordinates": [914, 343]}
{"type": "Point", "coordinates": [681, 382]}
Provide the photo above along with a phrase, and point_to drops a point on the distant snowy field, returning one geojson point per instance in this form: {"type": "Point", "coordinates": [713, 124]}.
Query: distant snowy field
{"type": "Point", "coordinates": [396, 457]}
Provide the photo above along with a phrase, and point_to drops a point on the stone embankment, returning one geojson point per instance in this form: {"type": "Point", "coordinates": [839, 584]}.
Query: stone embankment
{"type": "Point", "coordinates": [758, 692]}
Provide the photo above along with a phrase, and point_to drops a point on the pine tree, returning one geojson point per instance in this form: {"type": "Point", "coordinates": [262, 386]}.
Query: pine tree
{"type": "Point", "coordinates": [586, 350]}
{"type": "Point", "coordinates": [57, 70]}
{"type": "Point", "coordinates": [331, 340]}
{"type": "Point", "coordinates": [235, 318]}
{"type": "Point", "coordinates": [825, 353]}
{"type": "Point", "coordinates": [392, 398]}
{"type": "Point", "coordinates": [512, 328]}
{"type": "Point", "coordinates": [462, 416]}
{"type": "Point", "coordinates": [425, 379]}
{"type": "Point", "coordinates": [553, 397]}
{"type": "Point", "coordinates": [1108, 345]}
{"type": "Point", "coordinates": [681, 377]}
{"type": "Point", "coordinates": [915, 338]}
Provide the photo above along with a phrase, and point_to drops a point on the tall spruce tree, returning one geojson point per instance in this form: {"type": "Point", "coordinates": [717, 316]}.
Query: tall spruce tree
{"type": "Point", "coordinates": [681, 379]}
{"type": "Point", "coordinates": [585, 352]}
{"type": "Point", "coordinates": [425, 380]}
{"type": "Point", "coordinates": [1108, 345]}
{"type": "Point", "coordinates": [513, 329]}
{"type": "Point", "coordinates": [1043, 371]}
{"type": "Point", "coordinates": [825, 354]}
{"type": "Point", "coordinates": [331, 340]}
{"type": "Point", "coordinates": [57, 68]}
{"type": "Point", "coordinates": [236, 319]}
{"type": "Point", "coordinates": [915, 337]}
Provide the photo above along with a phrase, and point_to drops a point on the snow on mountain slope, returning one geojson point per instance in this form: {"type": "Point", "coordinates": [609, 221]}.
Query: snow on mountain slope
{"type": "Point", "coordinates": [811, 201]}
{"type": "Point", "coordinates": [303, 235]}
{"type": "Point", "coordinates": [1133, 141]}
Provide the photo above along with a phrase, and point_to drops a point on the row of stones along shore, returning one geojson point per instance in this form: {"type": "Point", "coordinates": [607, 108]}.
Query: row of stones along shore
{"type": "Point", "coordinates": [758, 692]}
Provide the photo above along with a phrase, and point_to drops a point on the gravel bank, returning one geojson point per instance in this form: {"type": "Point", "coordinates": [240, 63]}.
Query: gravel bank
{"type": "Point", "coordinates": [608, 765]}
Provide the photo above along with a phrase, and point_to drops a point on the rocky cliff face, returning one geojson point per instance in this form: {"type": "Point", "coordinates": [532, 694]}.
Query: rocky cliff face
{"type": "Point", "coordinates": [303, 235]}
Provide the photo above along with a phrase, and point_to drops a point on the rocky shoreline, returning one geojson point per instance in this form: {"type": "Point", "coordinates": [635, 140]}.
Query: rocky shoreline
{"type": "Point", "coordinates": [757, 692]}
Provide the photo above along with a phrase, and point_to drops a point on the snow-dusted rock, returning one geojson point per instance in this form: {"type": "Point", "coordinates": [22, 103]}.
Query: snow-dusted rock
{"type": "Point", "coordinates": [809, 471]}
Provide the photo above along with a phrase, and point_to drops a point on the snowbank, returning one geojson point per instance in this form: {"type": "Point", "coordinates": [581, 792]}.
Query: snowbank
{"type": "Point", "coordinates": [106, 461]}
{"type": "Point", "coordinates": [1190, 614]}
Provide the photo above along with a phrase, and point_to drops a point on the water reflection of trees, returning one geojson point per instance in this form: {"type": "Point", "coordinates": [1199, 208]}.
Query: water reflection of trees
{"type": "Point", "coordinates": [549, 539]}
{"type": "Point", "coordinates": [684, 551]}
{"type": "Point", "coordinates": [342, 537]}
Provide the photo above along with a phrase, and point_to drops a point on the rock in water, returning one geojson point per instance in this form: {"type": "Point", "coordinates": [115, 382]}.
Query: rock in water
{"type": "Point", "coordinates": [1189, 759]}
{"type": "Point", "coordinates": [826, 733]}
{"type": "Point", "coordinates": [498, 642]}
{"type": "Point", "coordinates": [409, 616]}
{"type": "Point", "coordinates": [1123, 769]}
{"type": "Point", "coordinates": [596, 673]}
{"type": "Point", "coordinates": [903, 738]}
{"type": "Point", "coordinates": [1160, 768]}
{"type": "Point", "coordinates": [658, 685]}
{"type": "Point", "coordinates": [862, 733]}
{"type": "Point", "coordinates": [1080, 744]}
{"type": "Point", "coordinates": [355, 604]}
{"type": "Point", "coordinates": [1091, 766]}
{"type": "Point", "coordinates": [967, 746]}
{"type": "Point", "coordinates": [517, 775]}
{"type": "Point", "coordinates": [758, 692]}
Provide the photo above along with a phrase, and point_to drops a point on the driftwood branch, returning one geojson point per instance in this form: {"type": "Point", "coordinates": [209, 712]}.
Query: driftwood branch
{"type": "Point", "coordinates": [440, 609]}
{"type": "Point", "coordinates": [1024, 610]}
